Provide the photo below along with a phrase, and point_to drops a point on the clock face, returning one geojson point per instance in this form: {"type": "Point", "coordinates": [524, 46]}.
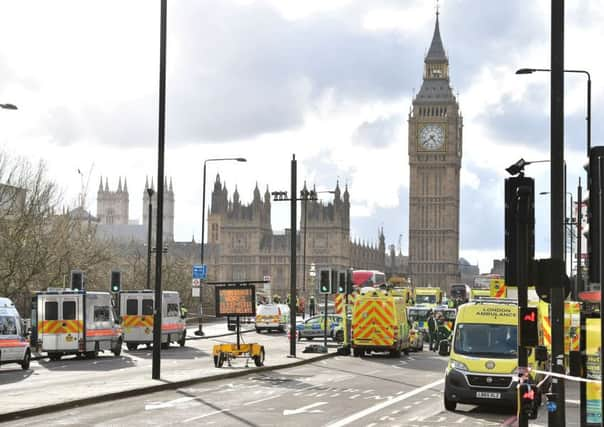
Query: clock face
{"type": "Point", "coordinates": [432, 137]}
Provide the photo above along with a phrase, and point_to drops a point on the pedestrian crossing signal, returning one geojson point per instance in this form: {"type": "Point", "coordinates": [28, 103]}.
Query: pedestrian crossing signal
{"type": "Point", "coordinates": [325, 282]}
{"type": "Point", "coordinates": [529, 332]}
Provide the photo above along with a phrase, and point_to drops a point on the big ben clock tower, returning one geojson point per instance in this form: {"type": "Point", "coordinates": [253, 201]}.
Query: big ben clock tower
{"type": "Point", "coordinates": [435, 147]}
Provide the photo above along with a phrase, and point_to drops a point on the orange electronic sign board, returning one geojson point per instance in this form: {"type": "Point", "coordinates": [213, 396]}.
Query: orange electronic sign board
{"type": "Point", "coordinates": [236, 300]}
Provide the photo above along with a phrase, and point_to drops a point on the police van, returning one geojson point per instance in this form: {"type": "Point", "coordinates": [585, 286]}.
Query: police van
{"type": "Point", "coordinates": [136, 310]}
{"type": "Point", "coordinates": [14, 346]}
{"type": "Point", "coordinates": [72, 321]}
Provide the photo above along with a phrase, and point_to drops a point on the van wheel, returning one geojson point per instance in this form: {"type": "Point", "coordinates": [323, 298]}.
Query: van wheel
{"type": "Point", "coordinates": [26, 360]}
{"type": "Point", "coordinates": [258, 330]}
{"type": "Point", "coordinates": [395, 353]}
{"type": "Point", "coordinates": [165, 345]}
{"type": "Point", "coordinates": [131, 346]}
{"type": "Point", "coordinates": [259, 359]}
{"type": "Point", "coordinates": [117, 350]}
{"type": "Point", "coordinates": [450, 405]}
{"type": "Point", "coordinates": [406, 351]}
{"type": "Point", "coordinates": [54, 356]}
{"type": "Point", "coordinates": [92, 354]}
{"type": "Point", "coordinates": [357, 352]}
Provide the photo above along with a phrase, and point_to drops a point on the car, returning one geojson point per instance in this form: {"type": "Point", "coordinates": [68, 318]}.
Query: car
{"type": "Point", "coordinates": [313, 327]}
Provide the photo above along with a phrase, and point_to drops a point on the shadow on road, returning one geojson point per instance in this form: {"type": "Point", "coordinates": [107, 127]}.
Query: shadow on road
{"type": "Point", "coordinates": [174, 352]}
{"type": "Point", "coordinates": [100, 363]}
{"type": "Point", "coordinates": [9, 376]}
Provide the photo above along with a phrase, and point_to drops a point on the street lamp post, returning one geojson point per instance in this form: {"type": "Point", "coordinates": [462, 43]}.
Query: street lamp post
{"type": "Point", "coordinates": [568, 222]}
{"type": "Point", "coordinates": [150, 193]}
{"type": "Point", "coordinates": [586, 73]}
{"type": "Point", "coordinates": [203, 219]}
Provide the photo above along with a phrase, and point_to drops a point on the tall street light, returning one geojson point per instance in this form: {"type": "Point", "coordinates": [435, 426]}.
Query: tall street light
{"type": "Point", "coordinates": [586, 73]}
{"type": "Point", "coordinates": [203, 220]}
{"type": "Point", "coordinates": [8, 106]}
{"type": "Point", "coordinates": [150, 193]}
{"type": "Point", "coordinates": [155, 370]}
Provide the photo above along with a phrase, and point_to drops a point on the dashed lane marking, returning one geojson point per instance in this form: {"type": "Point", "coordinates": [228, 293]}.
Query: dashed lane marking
{"type": "Point", "coordinates": [375, 408]}
{"type": "Point", "coordinates": [261, 400]}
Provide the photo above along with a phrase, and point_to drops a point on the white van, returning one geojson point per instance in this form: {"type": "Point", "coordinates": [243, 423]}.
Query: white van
{"type": "Point", "coordinates": [14, 347]}
{"type": "Point", "coordinates": [136, 311]}
{"type": "Point", "coordinates": [74, 322]}
{"type": "Point", "coordinates": [272, 316]}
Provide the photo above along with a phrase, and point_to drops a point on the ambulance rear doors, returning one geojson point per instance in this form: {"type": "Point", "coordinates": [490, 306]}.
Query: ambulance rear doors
{"type": "Point", "coordinates": [60, 325]}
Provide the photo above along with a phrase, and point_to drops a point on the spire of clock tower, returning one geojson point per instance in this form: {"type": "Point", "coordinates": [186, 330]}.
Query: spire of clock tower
{"type": "Point", "coordinates": [436, 53]}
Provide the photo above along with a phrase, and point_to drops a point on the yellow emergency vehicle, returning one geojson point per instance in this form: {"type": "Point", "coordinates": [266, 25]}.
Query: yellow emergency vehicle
{"type": "Point", "coordinates": [430, 297]}
{"type": "Point", "coordinates": [483, 362]}
{"type": "Point", "coordinates": [479, 293]}
{"type": "Point", "coordinates": [379, 323]}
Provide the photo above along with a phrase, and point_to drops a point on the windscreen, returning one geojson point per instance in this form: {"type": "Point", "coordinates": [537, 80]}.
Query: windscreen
{"type": "Point", "coordinates": [498, 341]}
{"type": "Point", "coordinates": [267, 310]}
{"type": "Point", "coordinates": [418, 315]}
{"type": "Point", "coordinates": [8, 325]}
{"type": "Point", "coordinates": [425, 299]}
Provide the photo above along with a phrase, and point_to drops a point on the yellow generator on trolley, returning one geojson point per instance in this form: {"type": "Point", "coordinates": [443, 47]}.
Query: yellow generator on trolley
{"type": "Point", "coordinates": [379, 323]}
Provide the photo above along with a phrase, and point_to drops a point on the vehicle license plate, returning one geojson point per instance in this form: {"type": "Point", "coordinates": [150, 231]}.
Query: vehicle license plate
{"type": "Point", "coordinates": [488, 395]}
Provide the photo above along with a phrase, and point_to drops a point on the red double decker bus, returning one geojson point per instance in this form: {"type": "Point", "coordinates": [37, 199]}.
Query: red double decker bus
{"type": "Point", "coordinates": [361, 278]}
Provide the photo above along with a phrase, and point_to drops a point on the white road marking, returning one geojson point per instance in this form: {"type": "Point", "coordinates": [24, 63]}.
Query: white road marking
{"type": "Point", "coordinates": [261, 400]}
{"type": "Point", "coordinates": [169, 404]}
{"type": "Point", "coordinates": [204, 415]}
{"type": "Point", "coordinates": [305, 409]}
{"type": "Point", "coordinates": [354, 396]}
{"type": "Point", "coordinates": [461, 420]}
{"type": "Point", "coordinates": [361, 414]}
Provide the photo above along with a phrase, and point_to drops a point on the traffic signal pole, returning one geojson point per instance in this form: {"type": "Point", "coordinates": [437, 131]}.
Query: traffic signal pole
{"type": "Point", "coordinates": [557, 416]}
{"type": "Point", "coordinates": [293, 261]}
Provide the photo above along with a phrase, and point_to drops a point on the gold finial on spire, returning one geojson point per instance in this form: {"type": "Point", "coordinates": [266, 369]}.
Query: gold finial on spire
{"type": "Point", "coordinates": [437, 8]}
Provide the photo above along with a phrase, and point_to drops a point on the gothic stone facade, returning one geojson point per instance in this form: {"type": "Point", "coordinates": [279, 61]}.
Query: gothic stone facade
{"type": "Point", "coordinates": [243, 246]}
{"type": "Point", "coordinates": [435, 149]}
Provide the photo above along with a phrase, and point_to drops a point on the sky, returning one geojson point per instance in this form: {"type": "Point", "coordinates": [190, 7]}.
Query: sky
{"type": "Point", "coordinates": [329, 81]}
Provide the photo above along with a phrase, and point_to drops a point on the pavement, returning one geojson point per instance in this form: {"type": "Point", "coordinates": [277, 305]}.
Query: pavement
{"type": "Point", "coordinates": [50, 386]}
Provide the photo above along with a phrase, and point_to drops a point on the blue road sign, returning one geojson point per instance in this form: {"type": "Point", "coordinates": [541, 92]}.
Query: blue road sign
{"type": "Point", "coordinates": [200, 271]}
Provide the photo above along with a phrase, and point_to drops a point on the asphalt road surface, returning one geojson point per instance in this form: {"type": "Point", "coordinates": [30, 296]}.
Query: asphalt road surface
{"type": "Point", "coordinates": [371, 391]}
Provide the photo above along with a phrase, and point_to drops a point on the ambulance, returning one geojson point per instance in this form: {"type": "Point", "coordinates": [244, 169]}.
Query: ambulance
{"type": "Point", "coordinates": [66, 321]}
{"type": "Point", "coordinates": [431, 297]}
{"type": "Point", "coordinates": [136, 311]}
{"type": "Point", "coordinates": [379, 323]}
{"type": "Point", "coordinates": [14, 346]}
{"type": "Point", "coordinates": [483, 364]}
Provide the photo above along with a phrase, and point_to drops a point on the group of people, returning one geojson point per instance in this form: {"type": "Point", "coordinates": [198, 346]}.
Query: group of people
{"type": "Point", "coordinates": [435, 321]}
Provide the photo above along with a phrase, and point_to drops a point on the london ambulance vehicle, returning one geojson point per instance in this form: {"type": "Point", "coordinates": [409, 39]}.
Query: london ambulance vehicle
{"type": "Point", "coordinates": [14, 346]}
{"type": "Point", "coordinates": [136, 311]}
{"type": "Point", "coordinates": [66, 321]}
{"type": "Point", "coordinates": [483, 362]}
{"type": "Point", "coordinates": [430, 297]}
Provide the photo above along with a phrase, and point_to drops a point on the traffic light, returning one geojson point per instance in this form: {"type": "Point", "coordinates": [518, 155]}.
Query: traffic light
{"type": "Point", "coordinates": [519, 229]}
{"type": "Point", "coordinates": [349, 281]}
{"type": "Point", "coordinates": [341, 282]}
{"type": "Point", "coordinates": [528, 399]}
{"type": "Point", "coordinates": [116, 281]}
{"type": "Point", "coordinates": [529, 332]}
{"type": "Point", "coordinates": [325, 281]}
{"type": "Point", "coordinates": [595, 178]}
{"type": "Point", "coordinates": [77, 280]}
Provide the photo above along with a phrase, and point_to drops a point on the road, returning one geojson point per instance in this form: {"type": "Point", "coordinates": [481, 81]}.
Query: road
{"type": "Point", "coordinates": [371, 391]}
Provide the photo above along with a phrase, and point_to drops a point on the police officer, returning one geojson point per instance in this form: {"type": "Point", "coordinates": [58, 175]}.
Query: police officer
{"type": "Point", "coordinates": [432, 329]}
{"type": "Point", "coordinates": [311, 305]}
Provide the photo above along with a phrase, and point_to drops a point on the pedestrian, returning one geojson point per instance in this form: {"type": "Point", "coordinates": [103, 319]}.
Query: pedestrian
{"type": "Point", "coordinates": [301, 307]}
{"type": "Point", "coordinates": [432, 329]}
{"type": "Point", "coordinates": [311, 306]}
